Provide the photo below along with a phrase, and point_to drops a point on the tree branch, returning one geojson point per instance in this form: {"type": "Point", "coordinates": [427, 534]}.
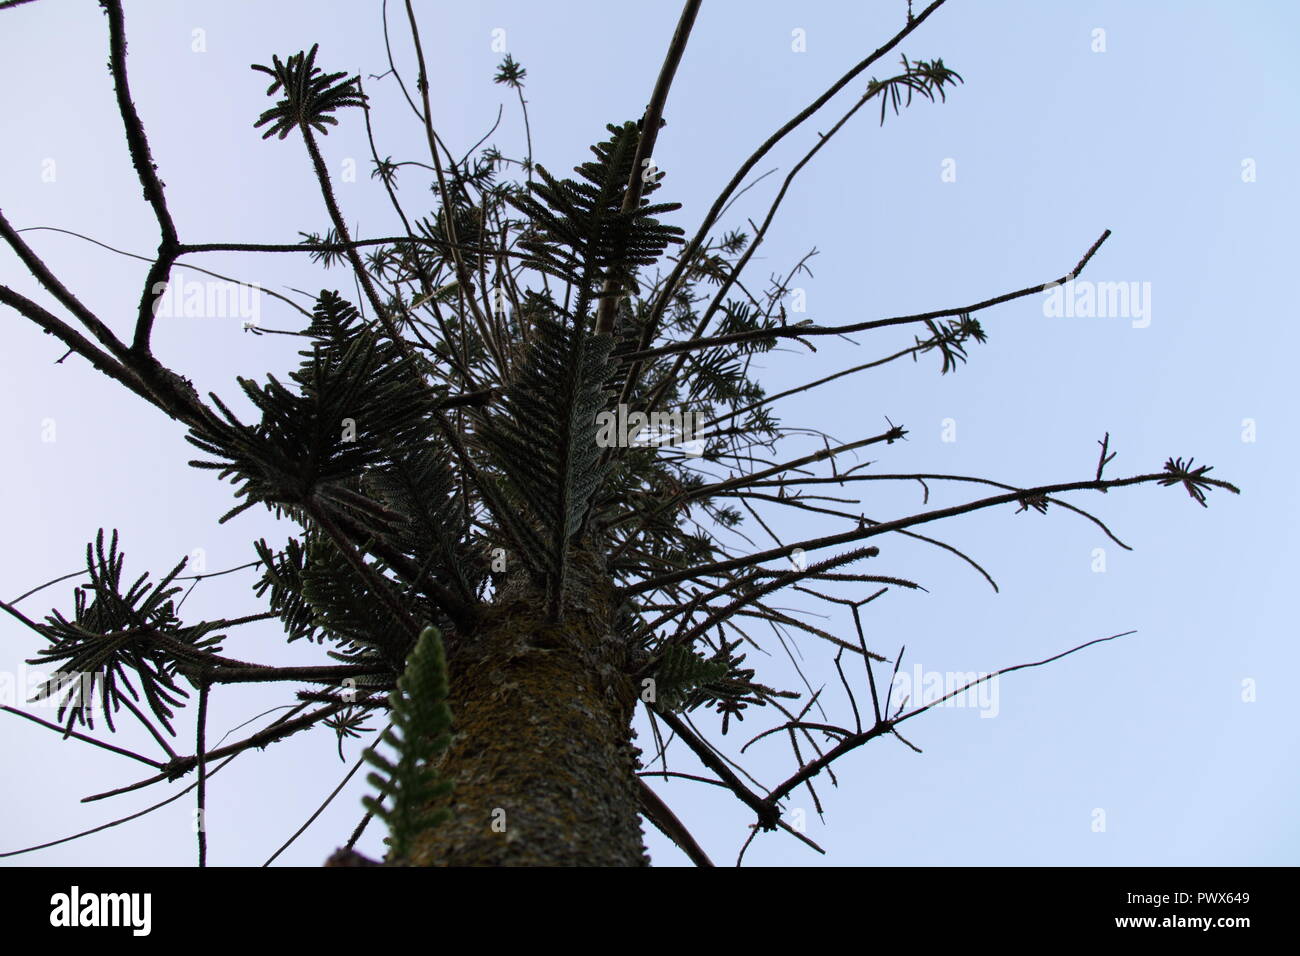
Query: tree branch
{"type": "Point", "coordinates": [659, 813]}
{"type": "Point", "coordinates": [607, 308]}
{"type": "Point", "coordinates": [147, 171]}
{"type": "Point", "coordinates": [846, 537]}
{"type": "Point", "coordinates": [802, 331]}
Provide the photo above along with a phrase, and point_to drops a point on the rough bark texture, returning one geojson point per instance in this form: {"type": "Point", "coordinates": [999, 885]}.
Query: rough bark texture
{"type": "Point", "coordinates": [542, 761]}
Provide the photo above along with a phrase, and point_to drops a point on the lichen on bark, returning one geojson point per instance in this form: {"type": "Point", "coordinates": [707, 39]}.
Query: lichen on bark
{"type": "Point", "coordinates": [542, 761]}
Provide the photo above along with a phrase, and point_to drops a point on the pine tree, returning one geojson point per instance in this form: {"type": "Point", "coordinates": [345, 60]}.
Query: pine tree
{"type": "Point", "coordinates": [501, 463]}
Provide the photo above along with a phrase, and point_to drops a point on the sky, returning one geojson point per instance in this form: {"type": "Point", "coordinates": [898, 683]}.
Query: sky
{"type": "Point", "coordinates": [1169, 123]}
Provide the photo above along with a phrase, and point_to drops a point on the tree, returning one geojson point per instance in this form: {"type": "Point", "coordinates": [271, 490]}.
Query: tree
{"type": "Point", "coordinates": [504, 463]}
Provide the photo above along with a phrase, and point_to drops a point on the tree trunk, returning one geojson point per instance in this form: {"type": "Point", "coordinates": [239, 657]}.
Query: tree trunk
{"type": "Point", "coordinates": [542, 761]}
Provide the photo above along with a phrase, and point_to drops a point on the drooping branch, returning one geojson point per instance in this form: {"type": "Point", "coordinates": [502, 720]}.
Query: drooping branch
{"type": "Point", "coordinates": [659, 813]}
{"type": "Point", "coordinates": [85, 738]}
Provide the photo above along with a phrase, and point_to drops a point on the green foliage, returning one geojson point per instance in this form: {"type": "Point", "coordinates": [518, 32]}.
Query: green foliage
{"type": "Point", "coordinates": [417, 485]}
{"type": "Point", "coordinates": [510, 73]}
{"type": "Point", "coordinates": [681, 674]}
{"type": "Point", "coordinates": [309, 98]}
{"type": "Point", "coordinates": [355, 400]}
{"type": "Point", "coordinates": [1192, 479]}
{"type": "Point", "coordinates": [420, 730]}
{"type": "Point", "coordinates": [349, 608]}
{"type": "Point", "coordinates": [579, 232]}
{"type": "Point", "coordinates": [117, 633]}
{"type": "Point", "coordinates": [318, 596]}
{"type": "Point", "coordinates": [925, 78]}
{"type": "Point", "coordinates": [282, 576]}
{"type": "Point", "coordinates": [326, 257]}
{"type": "Point", "coordinates": [407, 462]}
{"type": "Point", "coordinates": [543, 440]}
{"type": "Point", "coordinates": [685, 680]}
{"type": "Point", "coordinates": [950, 339]}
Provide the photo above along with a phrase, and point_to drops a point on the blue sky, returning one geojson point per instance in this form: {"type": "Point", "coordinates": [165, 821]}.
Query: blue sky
{"type": "Point", "coordinates": [1179, 136]}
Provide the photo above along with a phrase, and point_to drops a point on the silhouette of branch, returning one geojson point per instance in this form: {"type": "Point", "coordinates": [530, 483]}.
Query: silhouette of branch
{"type": "Point", "coordinates": [766, 814]}
{"type": "Point", "coordinates": [796, 332]}
{"type": "Point", "coordinates": [885, 726]}
{"type": "Point", "coordinates": [140, 813]}
{"type": "Point", "coordinates": [1103, 459]}
{"type": "Point", "coordinates": [147, 172]}
{"type": "Point", "coordinates": [760, 233]}
{"type": "Point", "coordinates": [659, 813]}
{"type": "Point", "coordinates": [188, 248]}
{"type": "Point", "coordinates": [922, 477]}
{"type": "Point", "coordinates": [645, 146]}
{"type": "Point", "coordinates": [798, 503]}
{"type": "Point", "coordinates": [50, 282]}
{"type": "Point", "coordinates": [463, 275]}
{"type": "Point", "coordinates": [178, 265]}
{"type": "Point", "coordinates": [200, 750]}
{"type": "Point", "coordinates": [661, 303]}
{"type": "Point", "coordinates": [66, 733]}
{"type": "Point", "coordinates": [361, 759]}
{"type": "Point", "coordinates": [813, 544]}
{"type": "Point", "coordinates": [182, 765]}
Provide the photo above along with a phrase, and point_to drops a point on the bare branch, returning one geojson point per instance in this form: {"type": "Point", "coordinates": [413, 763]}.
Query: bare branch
{"type": "Point", "coordinates": [796, 332]}
{"type": "Point", "coordinates": [147, 171]}
{"type": "Point", "coordinates": [659, 813]}
{"type": "Point", "coordinates": [887, 726]}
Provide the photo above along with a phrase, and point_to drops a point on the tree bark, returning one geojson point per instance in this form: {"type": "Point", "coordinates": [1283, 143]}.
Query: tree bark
{"type": "Point", "coordinates": [542, 762]}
